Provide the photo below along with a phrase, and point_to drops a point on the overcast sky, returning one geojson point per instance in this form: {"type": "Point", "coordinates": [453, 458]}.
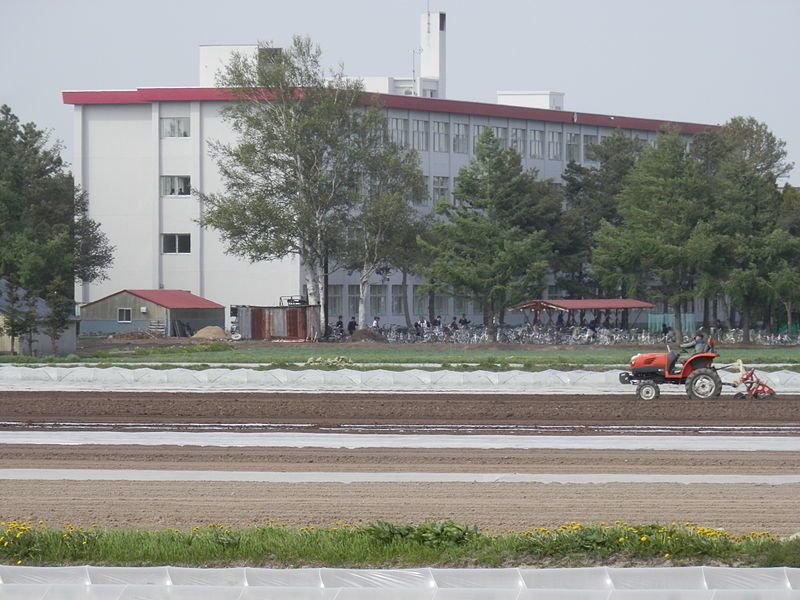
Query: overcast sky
{"type": "Point", "coordinates": [685, 60]}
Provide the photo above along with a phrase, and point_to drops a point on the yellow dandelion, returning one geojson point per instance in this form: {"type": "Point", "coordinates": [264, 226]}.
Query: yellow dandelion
{"type": "Point", "coordinates": [644, 538]}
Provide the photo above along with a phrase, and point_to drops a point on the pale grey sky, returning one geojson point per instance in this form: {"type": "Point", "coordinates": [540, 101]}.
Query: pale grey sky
{"type": "Point", "coordinates": [685, 60]}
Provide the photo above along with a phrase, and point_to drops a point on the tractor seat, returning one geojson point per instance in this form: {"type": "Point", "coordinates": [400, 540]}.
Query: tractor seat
{"type": "Point", "coordinates": [672, 358]}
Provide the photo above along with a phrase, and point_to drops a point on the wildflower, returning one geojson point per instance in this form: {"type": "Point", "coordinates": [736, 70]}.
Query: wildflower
{"type": "Point", "coordinates": [667, 555]}
{"type": "Point", "coordinates": [620, 540]}
{"type": "Point", "coordinates": [644, 538]}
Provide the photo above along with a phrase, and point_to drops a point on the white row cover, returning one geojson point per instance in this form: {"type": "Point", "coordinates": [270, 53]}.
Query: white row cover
{"type": "Point", "coordinates": [226, 439]}
{"type": "Point", "coordinates": [596, 582]}
{"type": "Point", "coordinates": [379, 380]}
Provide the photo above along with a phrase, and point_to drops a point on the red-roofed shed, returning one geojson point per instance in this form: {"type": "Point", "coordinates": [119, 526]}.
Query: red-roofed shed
{"type": "Point", "coordinates": [590, 304]}
{"type": "Point", "coordinates": [614, 311]}
{"type": "Point", "coordinates": [162, 312]}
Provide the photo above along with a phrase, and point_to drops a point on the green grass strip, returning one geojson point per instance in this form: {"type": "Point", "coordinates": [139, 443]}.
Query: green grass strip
{"type": "Point", "coordinates": [338, 356]}
{"type": "Point", "coordinates": [384, 545]}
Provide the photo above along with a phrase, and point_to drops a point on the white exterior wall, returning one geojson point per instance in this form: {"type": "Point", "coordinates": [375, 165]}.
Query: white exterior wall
{"type": "Point", "coordinates": [214, 58]}
{"type": "Point", "coordinates": [120, 159]}
{"type": "Point", "coordinates": [121, 156]}
{"type": "Point", "coordinates": [433, 58]}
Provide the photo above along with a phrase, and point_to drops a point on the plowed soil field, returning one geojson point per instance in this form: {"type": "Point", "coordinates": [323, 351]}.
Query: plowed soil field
{"type": "Point", "coordinates": [493, 506]}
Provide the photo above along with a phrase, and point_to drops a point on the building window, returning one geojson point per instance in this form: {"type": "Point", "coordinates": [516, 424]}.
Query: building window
{"type": "Point", "coordinates": [377, 299]}
{"type": "Point", "coordinates": [353, 298]}
{"type": "Point", "coordinates": [398, 131]}
{"type": "Point", "coordinates": [174, 127]}
{"type": "Point", "coordinates": [573, 147]}
{"type": "Point", "coordinates": [554, 145]}
{"type": "Point", "coordinates": [477, 132]}
{"type": "Point", "coordinates": [441, 136]}
{"type": "Point", "coordinates": [420, 301]}
{"type": "Point", "coordinates": [334, 300]}
{"type": "Point", "coordinates": [536, 137]}
{"type": "Point", "coordinates": [461, 305]}
{"type": "Point", "coordinates": [460, 138]}
{"type": "Point", "coordinates": [589, 141]}
{"type": "Point", "coordinates": [441, 188]}
{"type": "Point", "coordinates": [176, 243]}
{"type": "Point", "coordinates": [501, 135]}
{"type": "Point", "coordinates": [124, 315]}
{"type": "Point", "coordinates": [441, 305]}
{"type": "Point", "coordinates": [175, 185]}
{"type": "Point", "coordinates": [398, 293]}
{"type": "Point", "coordinates": [419, 135]}
{"type": "Point", "coordinates": [518, 140]}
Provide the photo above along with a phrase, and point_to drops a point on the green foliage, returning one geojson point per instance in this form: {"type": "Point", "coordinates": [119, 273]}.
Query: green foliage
{"type": "Point", "coordinates": [661, 239]}
{"type": "Point", "coordinates": [382, 544]}
{"type": "Point", "coordinates": [492, 242]}
{"type": "Point", "coordinates": [383, 220]}
{"type": "Point", "coordinates": [754, 255]}
{"type": "Point", "coordinates": [431, 533]}
{"type": "Point", "coordinates": [48, 241]}
{"type": "Point", "coordinates": [590, 197]}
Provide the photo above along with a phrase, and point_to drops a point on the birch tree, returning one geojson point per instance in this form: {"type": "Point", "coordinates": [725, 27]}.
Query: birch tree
{"type": "Point", "coordinates": [290, 178]}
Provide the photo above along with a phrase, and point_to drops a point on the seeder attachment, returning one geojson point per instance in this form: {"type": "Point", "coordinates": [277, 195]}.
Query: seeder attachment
{"type": "Point", "coordinates": [754, 387]}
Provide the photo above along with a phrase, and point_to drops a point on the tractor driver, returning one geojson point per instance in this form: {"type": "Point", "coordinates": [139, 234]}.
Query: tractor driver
{"type": "Point", "coordinates": [698, 344]}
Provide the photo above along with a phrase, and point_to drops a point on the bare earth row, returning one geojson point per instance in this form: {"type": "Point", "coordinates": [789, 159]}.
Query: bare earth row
{"type": "Point", "coordinates": [493, 506]}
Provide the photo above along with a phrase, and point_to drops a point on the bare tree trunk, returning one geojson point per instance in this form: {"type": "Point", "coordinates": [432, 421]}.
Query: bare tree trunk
{"type": "Point", "coordinates": [404, 285]}
{"type": "Point", "coordinates": [745, 320]}
{"type": "Point", "coordinates": [488, 321]}
{"type": "Point", "coordinates": [363, 289]}
{"type": "Point", "coordinates": [431, 305]}
{"type": "Point", "coordinates": [705, 312]}
{"type": "Point", "coordinates": [788, 306]}
{"type": "Point", "coordinates": [324, 296]}
{"type": "Point", "coordinates": [313, 278]}
{"type": "Point", "coordinates": [678, 323]}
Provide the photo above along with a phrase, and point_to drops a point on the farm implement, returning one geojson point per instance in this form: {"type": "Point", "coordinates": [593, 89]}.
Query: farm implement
{"type": "Point", "coordinates": [697, 373]}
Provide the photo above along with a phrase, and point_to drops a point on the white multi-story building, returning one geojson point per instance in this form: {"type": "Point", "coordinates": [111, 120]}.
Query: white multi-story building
{"type": "Point", "coordinates": [139, 153]}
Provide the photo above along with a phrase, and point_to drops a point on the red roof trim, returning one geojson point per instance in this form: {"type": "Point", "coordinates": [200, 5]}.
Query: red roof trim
{"type": "Point", "coordinates": [459, 107]}
{"type": "Point", "coordinates": [176, 299]}
{"type": "Point", "coordinates": [590, 304]}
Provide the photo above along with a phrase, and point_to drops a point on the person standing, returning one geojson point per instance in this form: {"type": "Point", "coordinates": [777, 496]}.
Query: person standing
{"type": "Point", "coordinates": [352, 326]}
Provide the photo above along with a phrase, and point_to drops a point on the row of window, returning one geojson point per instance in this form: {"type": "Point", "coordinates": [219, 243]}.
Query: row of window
{"type": "Point", "coordinates": [528, 142]}
{"type": "Point", "coordinates": [388, 300]}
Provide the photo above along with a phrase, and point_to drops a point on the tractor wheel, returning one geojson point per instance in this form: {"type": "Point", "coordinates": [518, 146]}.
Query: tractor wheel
{"type": "Point", "coordinates": [703, 384]}
{"type": "Point", "coordinates": [647, 391]}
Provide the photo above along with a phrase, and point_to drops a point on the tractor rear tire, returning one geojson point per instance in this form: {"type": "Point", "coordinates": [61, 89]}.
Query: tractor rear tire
{"type": "Point", "coordinates": [703, 384]}
{"type": "Point", "coordinates": [647, 391]}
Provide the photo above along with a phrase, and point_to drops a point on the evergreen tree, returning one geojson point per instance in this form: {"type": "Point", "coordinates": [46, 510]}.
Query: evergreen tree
{"type": "Point", "coordinates": [491, 241]}
{"type": "Point", "coordinates": [47, 240]}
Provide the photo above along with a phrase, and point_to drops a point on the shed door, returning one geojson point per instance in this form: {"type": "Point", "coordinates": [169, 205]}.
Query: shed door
{"type": "Point", "coordinates": [257, 324]}
{"type": "Point", "coordinates": [292, 322]}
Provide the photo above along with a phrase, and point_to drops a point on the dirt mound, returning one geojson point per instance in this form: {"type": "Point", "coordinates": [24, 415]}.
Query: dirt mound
{"type": "Point", "coordinates": [211, 332]}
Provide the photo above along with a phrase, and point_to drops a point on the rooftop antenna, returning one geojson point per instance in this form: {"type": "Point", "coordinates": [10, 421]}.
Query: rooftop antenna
{"type": "Point", "coordinates": [429, 16]}
{"type": "Point", "coordinates": [414, 54]}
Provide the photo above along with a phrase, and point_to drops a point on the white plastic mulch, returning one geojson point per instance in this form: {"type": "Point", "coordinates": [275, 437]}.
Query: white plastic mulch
{"type": "Point", "coordinates": [157, 583]}
{"type": "Point", "coordinates": [343, 380]}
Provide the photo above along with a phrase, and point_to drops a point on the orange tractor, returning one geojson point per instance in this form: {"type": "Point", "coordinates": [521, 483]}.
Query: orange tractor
{"type": "Point", "coordinates": [648, 371]}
